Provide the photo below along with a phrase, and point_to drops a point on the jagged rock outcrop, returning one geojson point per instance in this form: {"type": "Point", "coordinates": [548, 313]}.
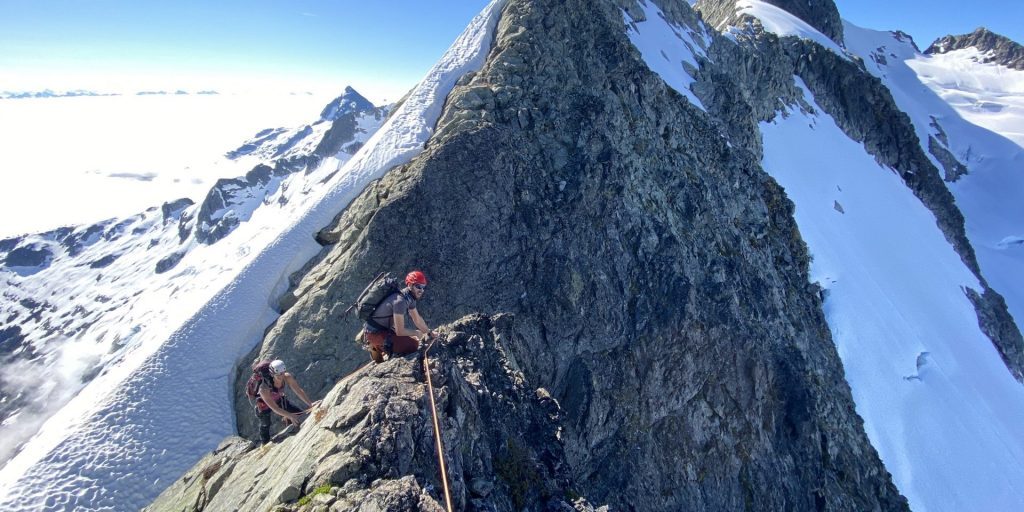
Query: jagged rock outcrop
{"type": "Point", "coordinates": [820, 14]}
{"type": "Point", "coordinates": [217, 215]}
{"type": "Point", "coordinates": [370, 444]}
{"type": "Point", "coordinates": [172, 210]}
{"type": "Point", "coordinates": [998, 49]}
{"type": "Point", "coordinates": [656, 275]}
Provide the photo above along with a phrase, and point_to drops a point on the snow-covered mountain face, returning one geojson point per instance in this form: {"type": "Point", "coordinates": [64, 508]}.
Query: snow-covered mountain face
{"type": "Point", "coordinates": [80, 301]}
{"type": "Point", "coordinates": [994, 48]}
{"type": "Point", "coordinates": [984, 83]}
{"type": "Point", "coordinates": [922, 370]}
{"type": "Point", "coordinates": [969, 116]}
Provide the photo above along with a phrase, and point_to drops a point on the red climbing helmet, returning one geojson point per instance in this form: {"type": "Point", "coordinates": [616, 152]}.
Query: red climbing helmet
{"type": "Point", "coordinates": [415, 277]}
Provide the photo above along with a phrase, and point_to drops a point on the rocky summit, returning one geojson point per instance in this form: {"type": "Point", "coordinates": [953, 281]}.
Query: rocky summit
{"type": "Point", "coordinates": [997, 49]}
{"type": "Point", "coordinates": [629, 319]}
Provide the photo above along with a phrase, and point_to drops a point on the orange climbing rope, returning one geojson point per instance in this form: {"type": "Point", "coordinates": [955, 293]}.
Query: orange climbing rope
{"type": "Point", "coordinates": [437, 428]}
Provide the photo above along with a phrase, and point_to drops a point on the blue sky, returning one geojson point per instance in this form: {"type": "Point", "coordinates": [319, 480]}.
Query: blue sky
{"type": "Point", "coordinates": [227, 44]}
{"type": "Point", "coordinates": [381, 48]}
{"type": "Point", "coordinates": [927, 20]}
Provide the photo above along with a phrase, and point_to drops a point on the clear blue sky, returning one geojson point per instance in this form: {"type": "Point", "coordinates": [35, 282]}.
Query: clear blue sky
{"type": "Point", "coordinates": [928, 20]}
{"type": "Point", "coordinates": [381, 48]}
{"type": "Point", "coordinates": [192, 44]}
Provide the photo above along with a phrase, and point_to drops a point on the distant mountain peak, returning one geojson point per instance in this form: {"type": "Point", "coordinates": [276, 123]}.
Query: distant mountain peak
{"type": "Point", "coordinates": [49, 93]}
{"type": "Point", "coordinates": [999, 49]}
{"type": "Point", "coordinates": [349, 101]}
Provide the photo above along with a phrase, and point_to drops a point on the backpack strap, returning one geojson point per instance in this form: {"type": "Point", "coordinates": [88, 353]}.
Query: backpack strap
{"type": "Point", "coordinates": [373, 323]}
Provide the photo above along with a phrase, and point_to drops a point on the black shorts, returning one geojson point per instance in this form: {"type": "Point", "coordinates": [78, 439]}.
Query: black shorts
{"type": "Point", "coordinates": [283, 403]}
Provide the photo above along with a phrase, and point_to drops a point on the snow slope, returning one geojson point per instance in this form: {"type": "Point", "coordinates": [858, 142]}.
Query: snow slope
{"type": "Point", "coordinates": [988, 95]}
{"type": "Point", "coordinates": [669, 50]}
{"type": "Point", "coordinates": [76, 300]}
{"type": "Point", "coordinates": [114, 156]}
{"type": "Point", "coordinates": [781, 23]}
{"type": "Point", "coordinates": [938, 403]}
{"type": "Point", "coordinates": [166, 402]}
{"type": "Point", "coordinates": [952, 97]}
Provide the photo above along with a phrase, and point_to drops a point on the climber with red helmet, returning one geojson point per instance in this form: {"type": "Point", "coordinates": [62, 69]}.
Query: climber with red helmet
{"type": "Point", "coordinates": [404, 327]}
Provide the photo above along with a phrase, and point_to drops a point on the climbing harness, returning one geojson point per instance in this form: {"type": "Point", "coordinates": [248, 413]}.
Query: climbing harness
{"type": "Point", "coordinates": [437, 427]}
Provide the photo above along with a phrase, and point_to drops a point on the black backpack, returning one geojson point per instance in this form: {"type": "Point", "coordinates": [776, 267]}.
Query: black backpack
{"type": "Point", "coordinates": [377, 292]}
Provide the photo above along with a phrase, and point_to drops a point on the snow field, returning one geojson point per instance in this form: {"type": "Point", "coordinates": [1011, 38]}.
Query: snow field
{"type": "Point", "coordinates": [668, 48]}
{"type": "Point", "coordinates": [988, 95]}
{"type": "Point", "coordinates": [938, 403]}
{"type": "Point", "coordinates": [990, 195]}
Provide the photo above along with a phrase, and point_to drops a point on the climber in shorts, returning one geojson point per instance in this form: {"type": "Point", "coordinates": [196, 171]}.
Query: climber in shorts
{"type": "Point", "coordinates": [271, 398]}
{"type": "Point", "coordinates": [396, 327]}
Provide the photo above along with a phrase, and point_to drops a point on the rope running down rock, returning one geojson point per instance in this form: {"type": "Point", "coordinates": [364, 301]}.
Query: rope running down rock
{"type": "Point", "coordinates": [437, 428]}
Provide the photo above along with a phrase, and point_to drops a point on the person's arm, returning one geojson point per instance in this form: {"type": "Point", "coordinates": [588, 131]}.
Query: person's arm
{"type": "Point", "coordinates": [269, 400]}
{"type": "Point", "coordinates": [400, 330]}
{"type": "Point", "coordinates": [294, 384]}
{"type": "Point", "coordinates": [420, 324]}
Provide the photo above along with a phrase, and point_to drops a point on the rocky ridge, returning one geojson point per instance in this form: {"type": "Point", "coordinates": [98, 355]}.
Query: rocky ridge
{"type": "Point", "coordinates": [998, 49]}
{"type": "Point", "coordinates": [370, 445]}
{"type": "Point", "coordinates": [657, 279]}
{"type": "Point", "coordinates": [643, 271]}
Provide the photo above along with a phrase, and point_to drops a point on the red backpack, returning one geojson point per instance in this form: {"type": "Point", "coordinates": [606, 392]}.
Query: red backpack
{"type": "Point", "coordinates": [260, 369]}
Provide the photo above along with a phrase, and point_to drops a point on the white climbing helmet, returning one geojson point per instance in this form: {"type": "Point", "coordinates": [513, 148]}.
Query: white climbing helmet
{"type": "Point", "coordinates": [277, 367]}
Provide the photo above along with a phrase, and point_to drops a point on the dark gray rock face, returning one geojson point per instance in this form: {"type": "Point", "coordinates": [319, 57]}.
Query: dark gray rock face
{"type": "Point", "coordinates": [1000, 327]}
{"type": "Point", "coordinates": [342, 132]}
{"type": "Point", "coordinates": [938, 146]}
{"type": "Point", "coordinates": [168, 262]}
{"type": "Point", "coordinates": [952, 167]}
{"type": "Point", "coordinates": [11, 340]}
{"type": "Point", "coordinates": [172, 210]}
{"type": "Point", "coordinates": [32, 255]}
{"type": "Point", "coordinates": [820, 14]}
{"type": "Point", "coordinates": [371, 442]}
{"type": "Point", "coordinates": [658, 282]}
{"type": "Point", "coordinates": [999, 49]}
